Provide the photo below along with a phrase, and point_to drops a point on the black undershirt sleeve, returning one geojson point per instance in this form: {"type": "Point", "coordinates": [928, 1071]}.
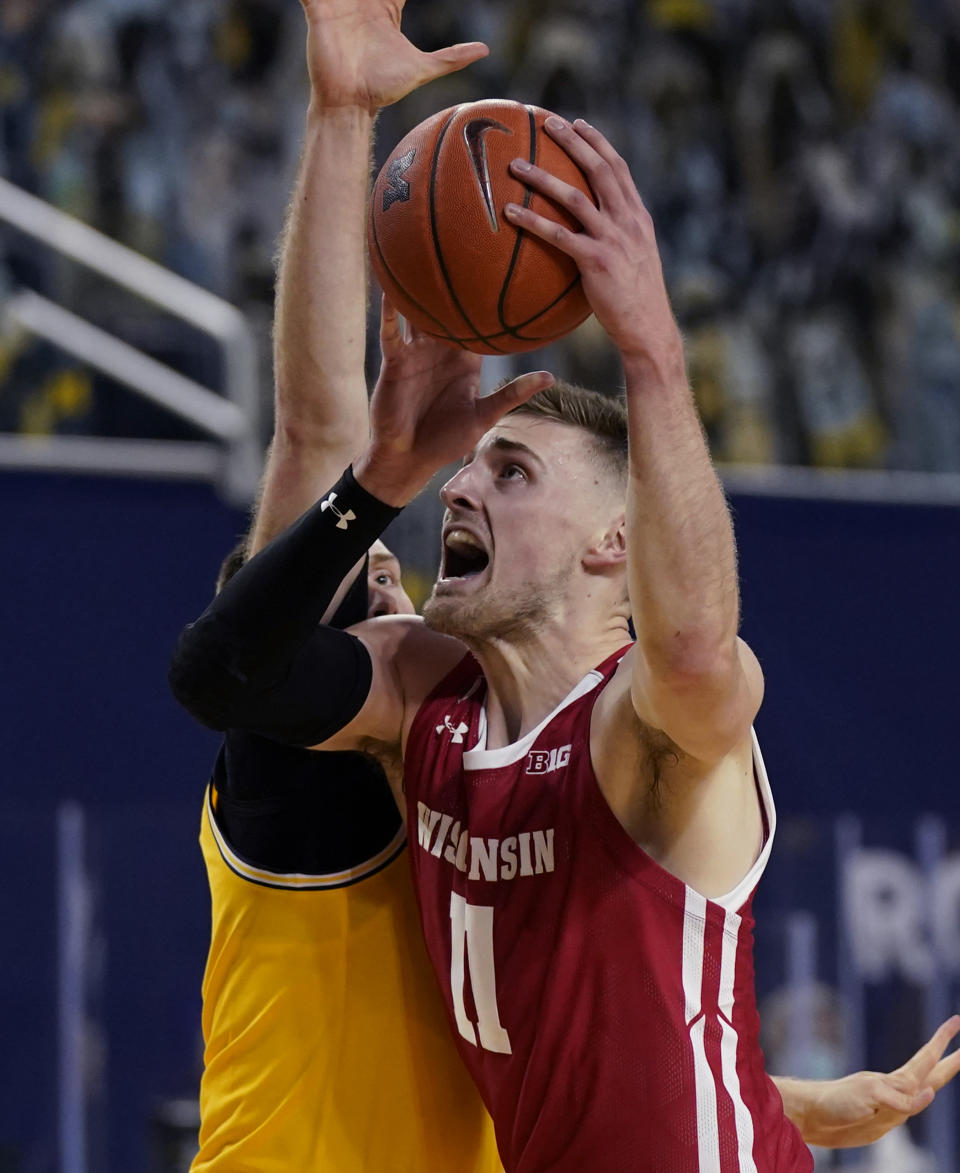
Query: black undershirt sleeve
{"type": "Point", "coordinates": [257, 659]}
{"type": "Point", "coordinates": [290, 810]}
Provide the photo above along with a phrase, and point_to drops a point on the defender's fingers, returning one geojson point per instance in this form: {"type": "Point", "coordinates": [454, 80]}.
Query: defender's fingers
{"type": "Point", "coordinates": [920, 1065]}
{"type": "Point", "coordinates": [495, 406]}
{"type": "Point", "coordinates": [944, 1071]}
{"type": "Point", "coordinates": [903, 1103]}
{"type": "Point", "coordinates": [443, 61]}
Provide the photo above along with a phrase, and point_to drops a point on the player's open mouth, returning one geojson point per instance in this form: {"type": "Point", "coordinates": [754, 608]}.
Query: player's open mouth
{"type": "Point", "coordinates": [463, 554]}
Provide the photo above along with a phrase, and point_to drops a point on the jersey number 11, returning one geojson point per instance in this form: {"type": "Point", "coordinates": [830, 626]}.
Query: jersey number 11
{"type": "Point", "coordinates": [471, 936]}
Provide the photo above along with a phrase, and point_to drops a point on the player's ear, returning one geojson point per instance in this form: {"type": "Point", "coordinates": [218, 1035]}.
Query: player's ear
{"type": "Point", "coordinates": [609, 549]}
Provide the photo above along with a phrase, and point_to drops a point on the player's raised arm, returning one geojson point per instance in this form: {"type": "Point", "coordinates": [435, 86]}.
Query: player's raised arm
{"type": "Point", "coordinates": [691, 678]}
{"type": "Point", "coordinates": [358, 61]}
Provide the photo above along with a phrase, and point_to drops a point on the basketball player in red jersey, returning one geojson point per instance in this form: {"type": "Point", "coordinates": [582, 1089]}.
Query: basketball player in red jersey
{"type": "Point", "coordinates": [588, 819]}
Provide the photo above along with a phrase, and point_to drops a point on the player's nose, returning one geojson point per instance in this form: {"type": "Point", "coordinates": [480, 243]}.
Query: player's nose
{"type": "Point", "coordinates": [460, 492]}
{"type": "Point", "coordinates": [380, 602]}
{"type": "Point", "coordinates": [392, 600]}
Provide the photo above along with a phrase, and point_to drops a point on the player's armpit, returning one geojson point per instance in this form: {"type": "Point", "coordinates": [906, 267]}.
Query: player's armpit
{"type": "Point", "coordinates": [705, 713]}
{"type": "Point", "coordinates": [701, 822]}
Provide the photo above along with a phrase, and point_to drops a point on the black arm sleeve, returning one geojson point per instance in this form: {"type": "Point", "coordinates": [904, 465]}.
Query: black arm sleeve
{"type": "Point", "coordinates": [256, 659]}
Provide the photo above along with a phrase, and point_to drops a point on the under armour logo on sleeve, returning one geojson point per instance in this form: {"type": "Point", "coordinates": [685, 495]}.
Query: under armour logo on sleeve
{"type": "Point", "coordinates": [345, 518]}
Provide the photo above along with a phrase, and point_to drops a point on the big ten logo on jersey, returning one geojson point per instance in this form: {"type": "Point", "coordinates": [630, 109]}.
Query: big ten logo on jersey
{"type": "Point", "coordinates": [528, 853]}
{"type": "Point", "coordinates": [545, 761]}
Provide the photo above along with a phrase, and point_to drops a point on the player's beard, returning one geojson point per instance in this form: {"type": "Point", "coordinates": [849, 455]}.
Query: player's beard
{"type": "Point", "coordinates": [491, 615]}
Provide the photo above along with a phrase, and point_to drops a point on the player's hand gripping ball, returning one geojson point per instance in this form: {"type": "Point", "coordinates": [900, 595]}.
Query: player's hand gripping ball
{"type": "Point", "coordinates": [441, 247]}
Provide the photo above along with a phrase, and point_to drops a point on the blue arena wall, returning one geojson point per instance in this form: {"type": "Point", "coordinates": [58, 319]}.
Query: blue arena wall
{"type": "Point", "coordinates": [850, 607]}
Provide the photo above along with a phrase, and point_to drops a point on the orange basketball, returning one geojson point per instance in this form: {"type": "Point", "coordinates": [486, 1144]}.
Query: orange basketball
{"type": "Point", "coordinates": [444, 252]}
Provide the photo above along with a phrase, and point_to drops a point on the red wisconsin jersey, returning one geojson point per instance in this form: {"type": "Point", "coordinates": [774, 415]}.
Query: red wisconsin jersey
{"type": "Point", "coordinates": [604, 1008]}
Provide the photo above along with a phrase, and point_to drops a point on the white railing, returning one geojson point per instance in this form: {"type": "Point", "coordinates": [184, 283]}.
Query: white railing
{"type": "Point", "coordinates": [234, 458]}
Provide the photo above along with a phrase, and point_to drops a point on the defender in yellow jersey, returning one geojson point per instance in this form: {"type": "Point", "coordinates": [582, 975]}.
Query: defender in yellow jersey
{"type": "Point", "coordinates": [327, 1049]}
{"type": "Point", "coordinates": [326, 1046]}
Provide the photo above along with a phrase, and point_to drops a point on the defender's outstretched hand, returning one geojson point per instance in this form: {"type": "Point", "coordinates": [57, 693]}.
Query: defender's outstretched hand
{"type": "Point", "coordinates": [860, 1108]}
{"type": "Point", "coordinates": [427, 410]}
{"type": "Point", "coordinates": [358, 56]}
{"type": "Point", "coordinates": [616, 251]}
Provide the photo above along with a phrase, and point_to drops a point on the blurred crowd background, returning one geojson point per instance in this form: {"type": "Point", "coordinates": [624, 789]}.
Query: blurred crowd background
{"type": "Point", "coordinates": [801, 159]}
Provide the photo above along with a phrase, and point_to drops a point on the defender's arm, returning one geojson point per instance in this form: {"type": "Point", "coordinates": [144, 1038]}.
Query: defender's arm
{"type": "Point", "coordinates": [358, 61]}
{"type": "Point", "coordinates": [860, 1108]}
{"type": "Point", "coordinates": [257, 659]}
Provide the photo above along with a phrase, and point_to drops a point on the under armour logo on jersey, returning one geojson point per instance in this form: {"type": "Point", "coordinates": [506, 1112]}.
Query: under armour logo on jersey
{"type": "Point", "coordinates": [457, 730]}
{"type": "Point", "coordinates": [397, 189]}
{"type": "Point", "coordinates": [345, 518]}
{"type": "Point", "coordinates": [545, 761]}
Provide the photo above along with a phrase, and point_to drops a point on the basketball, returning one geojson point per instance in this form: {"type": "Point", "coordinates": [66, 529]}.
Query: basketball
{"type": "Point", "coordinates": [443, 251]}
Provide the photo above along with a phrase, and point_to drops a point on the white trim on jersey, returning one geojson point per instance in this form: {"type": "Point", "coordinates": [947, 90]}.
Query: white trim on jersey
{"type": "Point", "coordinates": [729, 1040]}
{"type": "Point", "coordinates": [300, 881]}
{"type": "Point", "coordinates": [694, 923]}
{"type": "Point", "coordinates": [733, 899]}
{"type": "Point", "coordinates": [708, 1128]}
{"type": "Point", "coordinates": [481, 758]}
{"type": "Point", "coordinates": [705, 1078]}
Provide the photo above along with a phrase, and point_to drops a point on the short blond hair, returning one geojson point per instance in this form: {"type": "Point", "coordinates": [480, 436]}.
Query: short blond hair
{"type": "Point", "coordinates": [601, 416]}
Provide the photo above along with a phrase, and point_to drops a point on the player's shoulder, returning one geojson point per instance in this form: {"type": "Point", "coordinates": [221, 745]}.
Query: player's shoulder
{"type": "Point", "coordinates": [408, 636]}
{"type": "Point", "coordinates": [417, 657]}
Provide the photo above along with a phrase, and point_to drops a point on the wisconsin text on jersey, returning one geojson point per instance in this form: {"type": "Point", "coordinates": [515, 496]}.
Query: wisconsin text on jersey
{"type": "Point", "coordinates": [528, 853]}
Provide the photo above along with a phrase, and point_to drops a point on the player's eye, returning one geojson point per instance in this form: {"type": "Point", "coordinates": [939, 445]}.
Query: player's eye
{"type": "Point", "coordinates": [512, 472]}
{"type": "Point", "coordinates": [383, 579]}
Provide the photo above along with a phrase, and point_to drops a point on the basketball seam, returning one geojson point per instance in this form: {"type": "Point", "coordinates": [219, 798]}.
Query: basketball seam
{"type": "Point", "coordinates": [436, 238]}
{"type": "Point", "coordinates": [546, 309]}
{"type": "Point", "coordinates": [513, 331]}
{"type": "Point", "coordinates": [527, 198]}
{"type": "Point", "coordinates": [413, 301]}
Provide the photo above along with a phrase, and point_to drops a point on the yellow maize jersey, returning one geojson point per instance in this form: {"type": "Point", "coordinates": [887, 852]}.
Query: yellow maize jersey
{"type": "Point", "coordinates": [326, 1045]}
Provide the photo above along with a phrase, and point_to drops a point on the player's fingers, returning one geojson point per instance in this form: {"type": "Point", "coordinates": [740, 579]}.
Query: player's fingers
{"type": "Point", "coordinates": [920, 1065]}
{"type": "Point", "coordinates": [577, 203]}
{"type": "Point", "coordinates": [577, 245]}
{"type": "Point", "coordinates": [944, 1071]}
{"type": "Point", "coordinates": [606, 151]}
{"type": "Point", "coordinates": [494, 406]}
{"type": "Point", "coordinates": [595, 157]}
{"type": "Point", "coordinates": [453, 57]}
{"type": "Point", "coordinates": [391, 336]}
